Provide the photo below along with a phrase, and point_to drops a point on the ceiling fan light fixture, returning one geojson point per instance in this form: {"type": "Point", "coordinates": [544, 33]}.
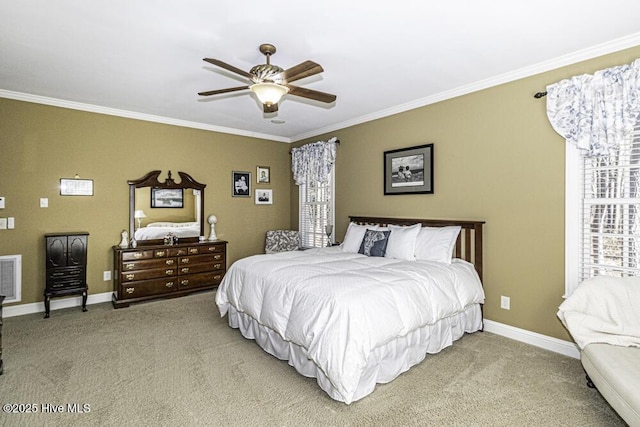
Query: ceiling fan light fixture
{"type": "Point", "coordinates": [269, 93]}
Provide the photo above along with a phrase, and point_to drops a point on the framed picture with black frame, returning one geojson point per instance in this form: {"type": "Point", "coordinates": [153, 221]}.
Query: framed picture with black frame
{"type": "Point", "coordinates": [409, 170]}
{"type": "Point", "coordinates": [240, 184]}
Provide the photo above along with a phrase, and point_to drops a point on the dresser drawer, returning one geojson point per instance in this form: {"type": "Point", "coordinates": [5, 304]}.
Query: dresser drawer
{"type": "Point", "coordinates": [149, 263]}
{"type": "Point", "coordinates": [148, 287]}
{"type": "Point", "coordinates": [207, 249]}
{"type": "Point", "coordinates": [132, 256]}
{"type": "Point", "coordinates": [199, 268]}
{"type": "Point", "coordinates": [200, 279]}
{"type": "Point", "coordinates": [132, 276]}
{"type": "Point", "coordinates": [201, 259]}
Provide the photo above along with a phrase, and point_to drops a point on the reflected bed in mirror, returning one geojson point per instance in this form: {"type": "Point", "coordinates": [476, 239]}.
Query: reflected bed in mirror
{"type": "Point", "coordinates": [157, 209]}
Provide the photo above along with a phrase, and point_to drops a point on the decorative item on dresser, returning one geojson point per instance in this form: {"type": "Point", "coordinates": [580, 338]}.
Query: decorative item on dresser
{"type": "Point", "coordinates": [166, 271]}
{"type": "Point", "coordinates": [1, 363]}
{"type": "Point", "coordinates": [66, 265]}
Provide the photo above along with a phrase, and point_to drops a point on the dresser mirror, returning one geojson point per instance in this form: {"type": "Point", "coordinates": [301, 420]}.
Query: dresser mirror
{"type": "Point", "coordinates": [159, 209]}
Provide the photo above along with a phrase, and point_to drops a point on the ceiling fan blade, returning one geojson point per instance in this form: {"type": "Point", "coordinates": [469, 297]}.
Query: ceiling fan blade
{"type": "Point", "coordinates": [228, 67]}
{"type": "Point", "coordinates": [219, 91]}
{"type": "Point", "coordinates": [270, 108]}
{"type": "Point", "coordinates": [311, 94]}
{"type": "Point", "coordinates": [302, 70]}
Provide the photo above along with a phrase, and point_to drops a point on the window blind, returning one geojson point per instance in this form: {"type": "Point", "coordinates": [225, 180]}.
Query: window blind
{"type": "Point", "coordinates": [316, 212]}
{"type": "Point", "coordinates": [610, 216]}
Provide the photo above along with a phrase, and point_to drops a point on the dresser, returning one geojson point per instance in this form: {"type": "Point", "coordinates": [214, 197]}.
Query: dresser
{"type": "Point", "coordinates": [1, 363]}
{"type": "Point", "coordinates": [66, 267]}
{"type": "Point", "coordinates": [165, 271]}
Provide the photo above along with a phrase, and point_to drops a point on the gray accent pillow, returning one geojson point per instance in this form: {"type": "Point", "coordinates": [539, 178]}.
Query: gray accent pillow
{"type": "Point", "coordinates": [374, 243]}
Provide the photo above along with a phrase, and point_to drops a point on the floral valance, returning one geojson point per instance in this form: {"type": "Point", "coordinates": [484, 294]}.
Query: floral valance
{"type": "Point", "coordinates": [596, 112]}
{"type": "Point", "coordinates": [313, 162]}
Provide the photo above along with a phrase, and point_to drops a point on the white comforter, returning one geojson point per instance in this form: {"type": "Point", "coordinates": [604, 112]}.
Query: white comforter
{"type": "Point", "coordinates": [340, 306]}
{"type": "Point", "coordinates": [604, 309]}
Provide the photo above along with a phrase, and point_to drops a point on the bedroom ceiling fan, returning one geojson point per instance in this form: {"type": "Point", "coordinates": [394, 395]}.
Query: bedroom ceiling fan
{"type": "Point", "coordinates": [270, 82]}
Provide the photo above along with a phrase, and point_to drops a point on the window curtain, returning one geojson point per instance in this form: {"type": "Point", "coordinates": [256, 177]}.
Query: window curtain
{"type": "Point", "coordinates": [312, 162]}
{"type": "Point", "coordinates": [596, 112]}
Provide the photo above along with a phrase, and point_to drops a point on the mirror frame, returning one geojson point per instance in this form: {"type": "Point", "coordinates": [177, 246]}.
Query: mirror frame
{"type": "Point", "coordinates": [151, 180]}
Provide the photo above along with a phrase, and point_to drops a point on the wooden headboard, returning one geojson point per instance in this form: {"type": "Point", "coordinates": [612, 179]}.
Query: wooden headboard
{"type": "Point", "coordinates": [469, 243]}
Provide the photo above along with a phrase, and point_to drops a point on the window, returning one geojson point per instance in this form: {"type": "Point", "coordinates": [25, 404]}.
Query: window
{"type": "Point", "coordinates": [602, 214]}
{"type": "Point", "coordinates": [316, 211]}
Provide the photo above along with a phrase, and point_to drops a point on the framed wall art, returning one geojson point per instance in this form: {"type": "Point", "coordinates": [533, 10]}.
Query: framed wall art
{"type": "Point", "coordinates": [264, 197]}
{"type": "Point", "coordinates": [240, 184]}
{"type": "Point", "coordinates": [76, 187]}
{"type": "Point", "coordinates": [167, 197]}
{"type": "Point", "coordinates": [409, 170]}
{"type": "Point", "coordinates": [263, 174]}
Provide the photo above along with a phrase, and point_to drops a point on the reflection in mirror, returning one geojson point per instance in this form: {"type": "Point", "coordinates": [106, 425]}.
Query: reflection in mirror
{"type": "Point", "coordinates": [157, 209]}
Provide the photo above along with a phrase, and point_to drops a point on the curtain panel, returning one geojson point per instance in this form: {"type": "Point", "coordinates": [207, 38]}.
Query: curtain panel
{"type": "Point", "coordinates": [596, 112]}
{"type": "Point", "coordinates": [312, 162]}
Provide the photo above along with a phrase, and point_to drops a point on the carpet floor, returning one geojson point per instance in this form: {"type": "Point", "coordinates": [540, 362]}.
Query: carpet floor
{"type": "Point", "coordinates": [177, 363]}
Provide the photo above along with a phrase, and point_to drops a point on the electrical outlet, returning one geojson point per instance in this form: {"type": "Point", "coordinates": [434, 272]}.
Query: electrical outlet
{"type": "Point", "coordinates": [505, 302]}
{"type": "Point", "coordinates": [44, 202]}
{"type": "Point", "coordinates": [11, 223]}
{"type": "Point", "coordinates": [3, 223]}
{"type": "Point", "coordinates": [106, 275]}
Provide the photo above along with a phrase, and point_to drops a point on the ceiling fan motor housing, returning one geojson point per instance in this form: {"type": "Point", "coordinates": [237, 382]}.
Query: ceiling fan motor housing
{"type": "Point", "coordinates": [267, 73]}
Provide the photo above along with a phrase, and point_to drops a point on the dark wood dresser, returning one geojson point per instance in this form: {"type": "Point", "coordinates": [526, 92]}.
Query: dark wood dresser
{"type": "Point", "coordinates": [1, 363]}
{"type": "Point", "coordinates": [165, 271]}
{"type": "Point", "coordinates": [66, 265]}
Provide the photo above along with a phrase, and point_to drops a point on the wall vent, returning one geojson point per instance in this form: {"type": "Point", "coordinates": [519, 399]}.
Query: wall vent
{"type": "Point", "coordinates": [11, 277]}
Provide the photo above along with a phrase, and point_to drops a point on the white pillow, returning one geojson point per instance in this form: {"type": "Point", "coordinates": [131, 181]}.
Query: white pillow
{"type": "Point", "coordinates": [402, 242]}
{"type": "Point", "coordinates": [353, 237]}
{"type": "Point", "coordinates": [436, 243]}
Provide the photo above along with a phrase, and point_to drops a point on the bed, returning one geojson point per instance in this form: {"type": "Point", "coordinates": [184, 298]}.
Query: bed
{"type": "Point", "coordinates": [158, 230]}
{"type": "Point", "coordinates": [352, 316]}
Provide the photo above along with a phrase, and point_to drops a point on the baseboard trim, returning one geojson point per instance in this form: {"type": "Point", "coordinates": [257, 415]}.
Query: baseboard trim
{"type": "Point", "coordinates": [543, 341]}
{"type": "Point", "coordinates": [56, 304]}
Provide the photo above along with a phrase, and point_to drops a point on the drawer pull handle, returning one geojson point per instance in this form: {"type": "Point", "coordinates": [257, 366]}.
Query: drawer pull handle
{"type": "Point", "coordinates": [212, 248]}
{"type": "Point", "coordinates": [168, 272]}
{"type": "Point", "coordinates": [185, 260]}
{"type": "Point", "coordinates": [130, 276]}
{"type": "Point", "coordinates": [169, 262]}
{"type": "Point", "coordinates": [193, 250]}
{"type": "Point", "coordinates": [217, 277]}
{"type": "Point", "coordinates": [217, 257]}
{"type": "Point", "coordinates": [160, 253]}
{"type": "Point", "coordinates": [169, 284]}
{"type": "Point", "coordinates": [130, 266]}
{"type": "Point", "coordinates": [137, 255]}
{"type": "Point", "coordinates": [217, 266]}
{"type": "Point", "coordinates": [185, 282]}
{"type": "Point", "coordinates": [130, 290]}
{"type": "Point", "coordinates": [185, 270]}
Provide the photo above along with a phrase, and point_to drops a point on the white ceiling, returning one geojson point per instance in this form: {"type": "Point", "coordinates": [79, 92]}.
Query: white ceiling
{"type": "Point", "coordinates": [143, 58]}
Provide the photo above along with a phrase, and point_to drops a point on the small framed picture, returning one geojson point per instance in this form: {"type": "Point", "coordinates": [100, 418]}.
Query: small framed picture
{"type": "Point", "coordinates": [167, 198]}
{"type": "Point", "coordinates": [240, 184]}
{"type": "Point", "coordinates": [263, 174]}
{"type": "Point", "coordinates": [264, 197]}
{"type": "Point", "coordinates": [76, 187]}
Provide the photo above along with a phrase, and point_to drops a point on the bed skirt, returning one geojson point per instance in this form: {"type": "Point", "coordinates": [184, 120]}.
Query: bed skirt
{"type": "Point", "coordinates": [385, 362]}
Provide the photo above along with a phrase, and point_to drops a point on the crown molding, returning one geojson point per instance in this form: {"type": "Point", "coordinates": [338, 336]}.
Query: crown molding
{"type": "Point", "coordinates": [632, 40]}
{"type": "Point", "coordinates": [27, 97]}
{"type": "Point", "coordinates": [629, 41]}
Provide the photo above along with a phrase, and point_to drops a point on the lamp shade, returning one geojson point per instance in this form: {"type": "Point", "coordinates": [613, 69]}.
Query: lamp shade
{"type": "Point", "coordinates": [139, 214]}
{"type": "Point", "coordinates": [269, 93]}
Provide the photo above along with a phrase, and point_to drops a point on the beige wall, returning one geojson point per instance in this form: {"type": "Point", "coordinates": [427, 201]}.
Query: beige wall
{"type": "Point", "coordinates": [41, 144]}
{"type": "Point", "coordinates": [496, 159]}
